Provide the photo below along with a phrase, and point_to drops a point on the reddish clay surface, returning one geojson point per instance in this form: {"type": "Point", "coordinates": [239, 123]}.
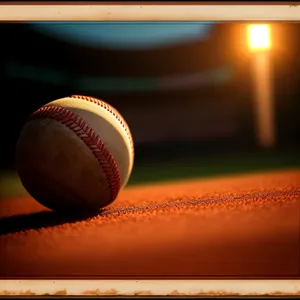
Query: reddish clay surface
{"type": "Point", "coordinates": [235, 226]}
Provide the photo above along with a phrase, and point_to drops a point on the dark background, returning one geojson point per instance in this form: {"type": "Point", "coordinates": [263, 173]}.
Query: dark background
{"type": "Point", "coordinates": [198, 120]}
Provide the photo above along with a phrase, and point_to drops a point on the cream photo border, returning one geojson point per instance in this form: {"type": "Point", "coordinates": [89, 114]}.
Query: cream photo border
{"type": "Point", "coordinates": [149, 12]}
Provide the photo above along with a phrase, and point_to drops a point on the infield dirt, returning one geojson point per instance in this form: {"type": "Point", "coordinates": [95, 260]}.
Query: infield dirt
{"type": "Point", "coordinates": [229, 226]}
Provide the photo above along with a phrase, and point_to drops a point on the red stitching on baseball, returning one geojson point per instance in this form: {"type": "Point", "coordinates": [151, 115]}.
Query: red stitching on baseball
{"type": "Point", "coordinates": [110, 110]}
{"type": "Point", "coordinates": [89, 137]}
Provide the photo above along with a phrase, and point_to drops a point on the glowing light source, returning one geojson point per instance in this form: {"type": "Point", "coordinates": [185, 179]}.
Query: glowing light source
{"type": "Point", "coordinates": [259, 37]}
{"type": "Point", "coordinates": [259, 43]}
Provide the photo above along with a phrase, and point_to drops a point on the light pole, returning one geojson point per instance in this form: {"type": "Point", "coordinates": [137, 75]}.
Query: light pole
{"type": "Point", "coordinates": [260, 44]}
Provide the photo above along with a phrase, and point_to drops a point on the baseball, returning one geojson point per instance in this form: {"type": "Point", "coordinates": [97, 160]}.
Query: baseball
{"type": "Point", "coordinates": [75, 153]}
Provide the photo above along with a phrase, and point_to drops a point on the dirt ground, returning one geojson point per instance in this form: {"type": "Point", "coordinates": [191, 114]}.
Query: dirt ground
{"type": "Point", "coordinates": [245, 226]}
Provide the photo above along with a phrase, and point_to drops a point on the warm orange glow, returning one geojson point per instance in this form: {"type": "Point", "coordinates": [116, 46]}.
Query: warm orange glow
{"type": "Point", "coordinates": [259, 37]}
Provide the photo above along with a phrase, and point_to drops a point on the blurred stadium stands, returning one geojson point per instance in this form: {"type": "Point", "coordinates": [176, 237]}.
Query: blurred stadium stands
{"type": "Point", "coordinates": [191, 95]}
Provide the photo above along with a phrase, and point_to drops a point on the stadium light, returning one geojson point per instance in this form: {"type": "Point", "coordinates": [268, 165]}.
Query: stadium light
{"type": "Point", "coordinates": [259, 39]}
